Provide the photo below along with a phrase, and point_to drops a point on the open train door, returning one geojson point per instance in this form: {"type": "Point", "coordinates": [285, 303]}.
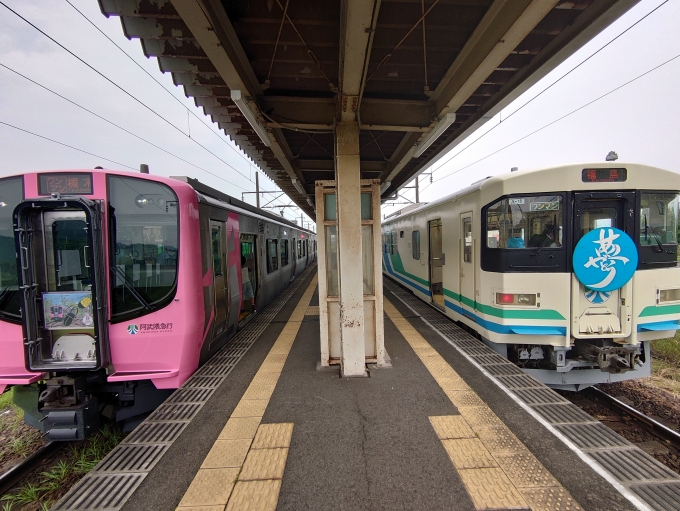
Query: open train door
{"type": "Point", "coordinates": [435, 262]}
{"type": "Point", "coordinates": [63, 282]}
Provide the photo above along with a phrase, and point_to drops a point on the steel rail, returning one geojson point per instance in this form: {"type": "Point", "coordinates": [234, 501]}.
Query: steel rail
{"type": "Point", "coordinates": [659, 429]}
{"type": "Point", "coordinates": [11, 477]}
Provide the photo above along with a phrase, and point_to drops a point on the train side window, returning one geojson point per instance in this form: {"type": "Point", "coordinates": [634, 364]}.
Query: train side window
{"type": "Point", "coordinates": [284, 253]}
{"type": "Point", "coordinates": [144, 244]}
{"type": "Point", "coordinates": [11, 194]}
{"type": "Point", "coordinates": [415, 244]}
{"type": "Point", "coordinates": [299, 249]}
{"type": "Point", "coordinates": [217, 249]}
{"type": "Point", "coordinates": [272, 256]}
{"type": "Point", "coordinates": [395, 243]}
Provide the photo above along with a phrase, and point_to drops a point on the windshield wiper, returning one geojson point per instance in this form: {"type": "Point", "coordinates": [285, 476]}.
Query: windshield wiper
{"type": "Point", "coordinates": [143, 301]}
{"type": "Point", "coordinates": [657, 238]}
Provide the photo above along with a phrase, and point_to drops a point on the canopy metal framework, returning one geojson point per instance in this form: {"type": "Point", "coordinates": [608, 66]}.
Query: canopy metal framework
{"type": "Point", "coordinates": [417, 75]}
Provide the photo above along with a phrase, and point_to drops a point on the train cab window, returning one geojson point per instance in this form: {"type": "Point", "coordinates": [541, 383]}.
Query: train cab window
{"type": "Point", "coordinates": [272, 256]}
{"type": "Point", "coordinates": [144, 244]}
{"type": "Point", "coordinates": [658, 229]}
{"type": "Point", "coordinates": [415, 244]}
{"type": "Point", "coordinates": [524, 233]}
{"type": "Point", "coordinates": [11, 194]}
{"type": "Point", "coordinates": [284, 253]}
{"type": "Point", "coordinates": [525, 222]}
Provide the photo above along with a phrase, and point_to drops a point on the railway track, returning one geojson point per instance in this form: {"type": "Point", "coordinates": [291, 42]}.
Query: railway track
{"type": "Point", "coordinates": [36, 461]}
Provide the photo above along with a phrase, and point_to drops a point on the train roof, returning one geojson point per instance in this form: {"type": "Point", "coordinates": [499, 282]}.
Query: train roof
{"type": "Point", "coordinates": [509, 176]}
{"type": "Point", "coordinates": [222, 197]}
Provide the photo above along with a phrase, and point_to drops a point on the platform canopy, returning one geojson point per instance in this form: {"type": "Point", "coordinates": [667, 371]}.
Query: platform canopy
{"type": "Point", "coordinates": [418, 75]}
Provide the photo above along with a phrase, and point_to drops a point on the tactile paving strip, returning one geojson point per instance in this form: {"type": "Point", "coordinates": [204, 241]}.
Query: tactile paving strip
{"type": "Point", "coordinates": [258, 451]}
{"type": "Point", "coordinates": [477, 440]}
{"type": "Point", "coordinates": [119, 474]}
{"type": "Point", "coordinates": [639, 473]}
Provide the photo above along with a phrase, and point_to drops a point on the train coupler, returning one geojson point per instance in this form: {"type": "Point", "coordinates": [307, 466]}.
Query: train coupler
{"type": "Point", "coordinates": [609, 357]}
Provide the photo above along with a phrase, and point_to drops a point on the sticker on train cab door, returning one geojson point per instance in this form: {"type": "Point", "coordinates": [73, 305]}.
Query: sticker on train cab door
{"type": "Point", "coordinates": [605, 259]}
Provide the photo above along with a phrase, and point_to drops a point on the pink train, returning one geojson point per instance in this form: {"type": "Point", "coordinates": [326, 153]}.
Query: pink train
{"type": "Point", "coordinates": [115, 287]}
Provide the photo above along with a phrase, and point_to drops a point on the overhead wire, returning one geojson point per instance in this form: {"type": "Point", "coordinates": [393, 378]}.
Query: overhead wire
{"type": "Point", "coordinates": [189, 111]}
{"type": "Point", "coordinates": [122, 89]}
{"type": "Point", "coordinates": [118, 126]}
{"type": "Point", "coordinates": [560, 118]}
{"type": "Point", "coordinates": [66, 145]}
{"type": "Point", "coordinates": [554, 83]}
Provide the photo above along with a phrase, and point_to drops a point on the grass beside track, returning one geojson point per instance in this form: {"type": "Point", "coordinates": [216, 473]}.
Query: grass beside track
{"type": "Point", "coordinates": [666, 364]}
{"type": "Point", "coordinates": [49, 486]}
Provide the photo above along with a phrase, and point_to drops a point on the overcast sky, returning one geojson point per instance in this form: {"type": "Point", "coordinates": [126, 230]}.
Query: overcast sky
{"type": "Point", "coordinates": [639, 121]}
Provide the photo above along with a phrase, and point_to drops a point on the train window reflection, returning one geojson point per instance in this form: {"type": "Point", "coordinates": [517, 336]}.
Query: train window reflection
{"type": "Point", "coordinates": [658, 218]}
{"type": "Point", "coordinates": [144, 237]}
{"type": "Point", "coordinates": [525, 222]}
{"type": "Point", "coordinates": [11, 194]}
{"type": "Point", "coordinates": [595, 218]}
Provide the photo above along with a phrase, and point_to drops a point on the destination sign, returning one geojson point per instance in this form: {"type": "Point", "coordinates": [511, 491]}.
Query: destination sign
{"type": "Point", "coordinates": [68, 183]}
{"type": "Point", "coordinates": [604, 175]}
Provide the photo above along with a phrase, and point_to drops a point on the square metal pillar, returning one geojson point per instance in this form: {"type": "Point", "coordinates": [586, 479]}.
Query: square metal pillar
{"type": "Point", "coordinates": [350, 269]}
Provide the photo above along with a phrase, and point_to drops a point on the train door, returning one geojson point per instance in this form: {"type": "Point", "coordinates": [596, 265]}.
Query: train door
{"type": "Point", "coordinates": [63, 277]}
{"type": "Point", "coordinates": [219, 277]}
{"type": "Point", "coordinates": [249, 267]}
{"type": "Point", "coordinates": [466, 262]}
{"type": "Point", "coordinates": [601, 312]}
{"type": "Point", "coordinates": [436, 262]}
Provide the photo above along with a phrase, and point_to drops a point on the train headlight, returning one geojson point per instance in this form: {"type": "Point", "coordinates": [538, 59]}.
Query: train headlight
{"type": "Point", "coordinates": [669, 295]}
{"type": "Point", "coordinates": [518, 299]}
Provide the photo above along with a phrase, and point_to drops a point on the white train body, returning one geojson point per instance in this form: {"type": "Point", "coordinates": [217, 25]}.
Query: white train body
{"type": "Point", "coordinates": [498, 257]}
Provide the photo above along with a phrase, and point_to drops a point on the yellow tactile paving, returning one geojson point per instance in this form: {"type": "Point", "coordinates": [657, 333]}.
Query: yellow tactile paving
{"type": "Point", "coordinates": [461, 398]}
{"type": "Point", "coordinates": [480, 417]}
{"type": "Point", "coordinates": [468, 453]}
{"type": "Point", "coordinates": [490, 488]}
{"type": "Point", "coordinates": [250, 408]}
{"type": "Point", "coordinates": [259, 391]}
{"type": "Point", "coordinates": [500, 441]}
{"type": "Point", "coordinates": [525, 471]}
{"type": "Point", "coordinates": [270, 436]}
{"type": "Point", "coordinates": [246, 448]}
{"type": "Point", "coordinates": [227, 453]}
{"type": "Point", "coordinates": [210, 487]}
{"type": "Point", "coordinates": [255, 495]}
{"type": "Point", "coordinates": [240, 427]}
{"type": "Point", "coordinates": [498, 471]}
{"type": "Point", "coordinates": [451, 426]}
{"type": "Point", "coordinates": [264, 464]}
{"type": "Point", "coordinates": [554, 498]}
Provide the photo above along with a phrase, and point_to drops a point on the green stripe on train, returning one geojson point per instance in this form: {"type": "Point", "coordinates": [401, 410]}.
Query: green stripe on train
{"type": "Point", "coordinates": [659, 310]}
{"type": "Point", "coordinates": [504, 313]}
{"type": "Point", "coordinates": [399, 268]}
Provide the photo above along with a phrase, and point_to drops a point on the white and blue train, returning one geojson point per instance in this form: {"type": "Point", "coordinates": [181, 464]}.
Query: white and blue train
{"type": "Point", "coordinates": [569, 272]}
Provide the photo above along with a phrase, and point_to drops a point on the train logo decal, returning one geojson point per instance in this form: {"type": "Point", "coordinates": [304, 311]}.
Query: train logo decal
{"type": "Point", "coordinates": [597, 296]}
{"type": "Point", "coordinates": [132, 329]}
{"type": "Point", "coordinates": [605, 259]}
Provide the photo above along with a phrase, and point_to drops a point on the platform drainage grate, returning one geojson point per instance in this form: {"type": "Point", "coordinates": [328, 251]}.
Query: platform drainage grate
{"type": "Point", "coordinates": [632, 465]}
{"type": "Point", "coordinates": [592, 436]}
{"type": "Point", "coordinates": [106, 492]}
{"type": "Point", "coordinates": [661, 497]}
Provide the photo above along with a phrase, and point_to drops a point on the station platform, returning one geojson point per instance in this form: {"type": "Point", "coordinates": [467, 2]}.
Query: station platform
{"type": "Point", "coordinates": [451, 425]}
